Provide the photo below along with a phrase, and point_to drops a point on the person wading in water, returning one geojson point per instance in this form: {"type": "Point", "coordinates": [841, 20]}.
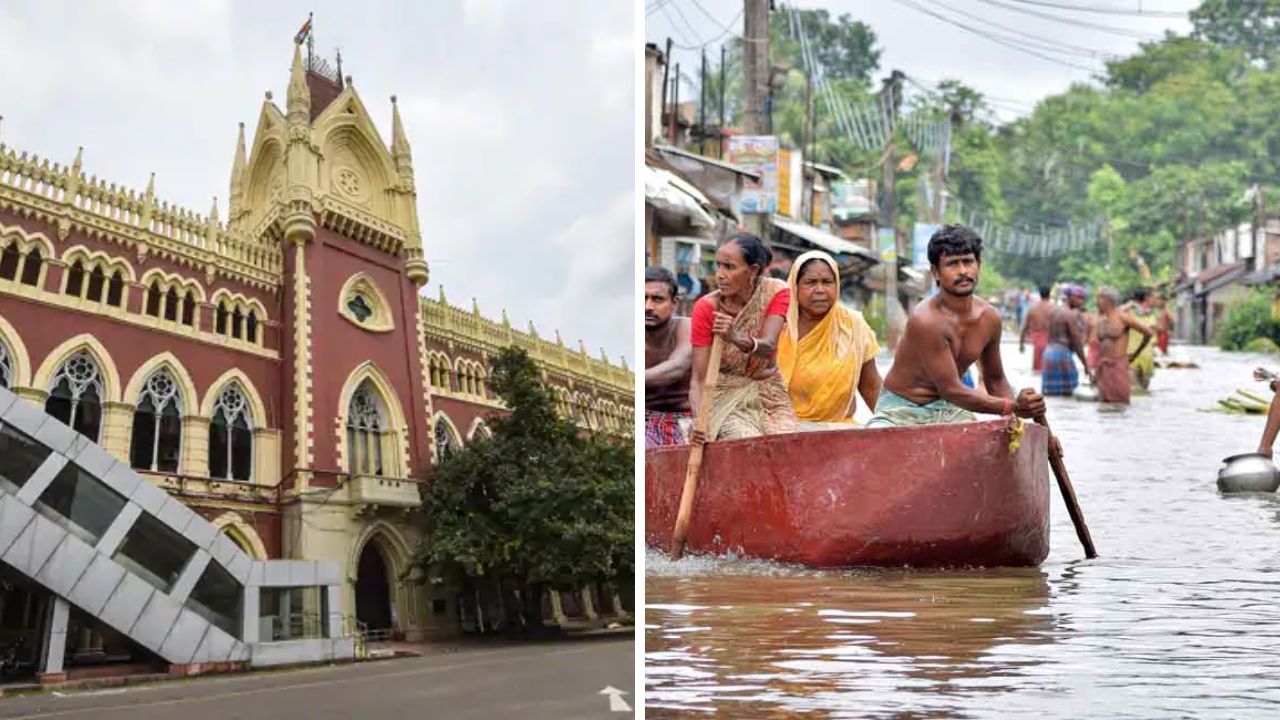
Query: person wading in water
{"type": "Point", "coordinates": [747, 312]}
{"type": "Point", "coordinates": [1114, 356]}
{"type": "Point", "coordinates": [944, 336]}
{"type": "Point", "coordinates": [1066, 337]}
{"type": "Point", "coordinates": [1037, 328]}
{"type": "Point", "coordinates": [668, 361]}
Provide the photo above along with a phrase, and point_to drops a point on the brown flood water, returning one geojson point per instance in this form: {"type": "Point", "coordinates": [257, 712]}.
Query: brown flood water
{"type": "Point", "coordinates": [1179, 617]}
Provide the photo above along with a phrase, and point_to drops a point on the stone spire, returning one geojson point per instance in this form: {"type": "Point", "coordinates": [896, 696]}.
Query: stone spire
{"type": "Point", "coordinates": [237, 178]}
{"type": "Point", "coordinates": [299, 98]}
{"type": "Point", "coordinates": [399, 144]}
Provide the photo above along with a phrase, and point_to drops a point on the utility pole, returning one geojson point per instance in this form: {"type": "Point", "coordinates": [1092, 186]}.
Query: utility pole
{"type": "Point", "coordinates": [807, 178]}
{"type": "Point", "coordinates": [702, 106]}
{"type": "Point", "coordinates": [895, 315]}
{"type": "Point", "coordinates": [720, 132]}
{"type": "Point", "coordinates": [755, 65]}
{"type": "Point", "coordinates": [675, 107]}
{"type": "Point", "coordinates": [666, 70]}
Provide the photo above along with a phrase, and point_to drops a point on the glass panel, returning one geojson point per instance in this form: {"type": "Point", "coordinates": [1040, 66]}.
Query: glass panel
{"type": "Point", "coordinates": [236, 321]}
{"type": "Point", "coordinates": [155, 552]}
{"type": "Point", "coordinates": [88, 419]}
{"type": "Point", "coordinates": [59, 403]}
{"type": "Point", "coordinates": [19, 456]}
{"type": "Point", "coordinates": [293, 613]}
{"type": "Point", "coordinates": [359, 307]}
{"type": "Point", "coordinates": [75, 279]}
{"type": "Point", "coordinates": [144, 436]}
{"type": "Point", "coordinates": [217, 596]}
{"type": "Point", "coordinates": [9, 262]}
{"type": "Point", "coordinates": [220, 324]}
{"type": "Point", "coordinates": [79, 497]}
{"type": "Point", "coordinates": [218, 446]}
{"type": "Point", "coordinates": [96, 281]}
{"type": "Point", "coordinates": [251, 328]}
{"type": "Point", "coordinates": [241, 451]}
{"type": "Point", "coordinates": [170, 445]}
{"type": "Point", "coordinates": [115, 291]}
{"type": "Point", "coordinates": [31, 268]}
{"type": "Point", "coordinates": [189, 310]}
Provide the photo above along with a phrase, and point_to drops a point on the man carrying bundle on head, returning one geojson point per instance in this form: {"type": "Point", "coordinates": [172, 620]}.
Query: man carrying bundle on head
{"type": "Point", "coordinates": [944, 336]}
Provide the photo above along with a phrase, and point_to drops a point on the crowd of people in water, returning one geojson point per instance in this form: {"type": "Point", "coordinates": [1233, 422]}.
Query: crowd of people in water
{"type": "Point", "coordinates": [792, 357]}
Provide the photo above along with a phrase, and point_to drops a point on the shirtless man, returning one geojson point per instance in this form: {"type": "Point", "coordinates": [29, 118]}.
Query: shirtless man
{"type": "Point", "coordinates": [1037, 328]}
{"type": "Point", "coordinates": [1114, 356]}
{"type": "Point", "coordinates": [668, 361]}
{"type": "Point", "coordinates": [944, 336]}
{"type": "Point", "coordinates": [1066, 337]}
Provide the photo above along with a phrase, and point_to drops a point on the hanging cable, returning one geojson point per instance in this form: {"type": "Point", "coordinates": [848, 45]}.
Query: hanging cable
{"type": "Point", "coordinates": [1153, 14]}
{"type": "Point", "coordinates": [1046, 44]}
{"type": "Point", "coordinates": [1123, 32]}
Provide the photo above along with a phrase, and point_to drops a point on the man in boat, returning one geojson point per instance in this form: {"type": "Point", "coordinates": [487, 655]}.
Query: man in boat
{"type": "Point", "coordinates": [1114, 353]}
{"type": "Point", "coordinates": [1143, 365]}
{"type": "Point", "coordinates": [944, 336]}
{"type": "Point", "coordinates": [1066, 338]}
{"type": "Point", "coordinates": [746, 313]}
{"type": "Point", "coordinates": [1036, 327]}
{"type": "Point", "coordinates": [668, 362]}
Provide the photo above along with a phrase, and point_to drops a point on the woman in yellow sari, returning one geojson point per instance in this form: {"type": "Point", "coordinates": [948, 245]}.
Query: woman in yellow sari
{"type": "Point", "coordinates": [826, 350]}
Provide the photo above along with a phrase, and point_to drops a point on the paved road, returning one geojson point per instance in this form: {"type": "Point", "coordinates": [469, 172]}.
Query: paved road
{"type": "Point", "coordinates": [530, 682]}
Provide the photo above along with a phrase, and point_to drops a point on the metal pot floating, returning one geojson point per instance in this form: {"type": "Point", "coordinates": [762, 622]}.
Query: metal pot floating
{"type": "Point", "coordinates": [1248, 472]}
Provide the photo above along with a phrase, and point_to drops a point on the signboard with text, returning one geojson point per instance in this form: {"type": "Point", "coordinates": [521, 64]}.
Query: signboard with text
{"type": "Point", "coordinates": [758, 153]}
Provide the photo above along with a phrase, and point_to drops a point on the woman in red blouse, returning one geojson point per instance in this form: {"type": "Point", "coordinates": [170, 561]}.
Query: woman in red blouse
{"type": "Point", "coordinates": [747, 312]}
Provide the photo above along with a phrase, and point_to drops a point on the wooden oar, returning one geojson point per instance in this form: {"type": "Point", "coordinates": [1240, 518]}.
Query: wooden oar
{"type": "Point", "coordinates": [690, 491]}
{"type": "Point", "coordinates": [1068, 494]}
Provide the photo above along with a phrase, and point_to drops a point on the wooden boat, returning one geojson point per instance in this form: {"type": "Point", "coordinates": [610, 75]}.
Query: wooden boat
{"type": "Point", "coordinates": [939, 495]}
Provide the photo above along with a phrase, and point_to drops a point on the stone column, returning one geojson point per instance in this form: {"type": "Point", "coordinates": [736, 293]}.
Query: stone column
{"type": "Point", "coordinates": [117, 426]}
{"type": "Point", "coordinates": [195, 446]}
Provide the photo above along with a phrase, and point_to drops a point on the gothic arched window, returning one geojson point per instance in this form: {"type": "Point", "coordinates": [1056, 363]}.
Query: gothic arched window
{"type": "Point", "coordinates": [364, 432]}
{"type": "Point", "coordinates": [220, 320]}
{"type": "Point", "coordinates": [189, 309]}
{"type": "Point", "coordinates": [171, 305]}
{"type": "Point", "coordinates": [31, 268]}
{"type": "Point", "coordinates": [153, 299]}
{"type": "Point", "coordinates": [9, 262]}
{"type": "Point", "coordinates": [75, 396]}
{"type": "Point", "coordinates": [115, 290]}
{"type": "Point", "coordinates": [75, 279]}
{"type": "Point", "coordinates": [6, 368]}
{"type": "Point", "coordinates": [445, 441]}
{"type": "Point", "coordinates": [157, 425]}
{"type": "Point", "coordinates": [231, 437]}
{"type": "Point", "coordinates": [97, 281]}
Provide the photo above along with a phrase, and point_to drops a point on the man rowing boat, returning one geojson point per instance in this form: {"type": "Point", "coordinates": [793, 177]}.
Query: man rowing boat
{"type": "Point", "coordinates": [944, 336]}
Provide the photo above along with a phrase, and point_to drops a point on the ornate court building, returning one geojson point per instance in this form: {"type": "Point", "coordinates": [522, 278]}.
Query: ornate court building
{"type": "Point", "coordinates": [279, 370]}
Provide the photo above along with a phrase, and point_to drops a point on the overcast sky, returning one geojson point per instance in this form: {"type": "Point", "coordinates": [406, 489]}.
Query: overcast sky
{"type": "Point", "coordinates": [520, 115]}
{"type": "Point", "coordinates": [931, 49]}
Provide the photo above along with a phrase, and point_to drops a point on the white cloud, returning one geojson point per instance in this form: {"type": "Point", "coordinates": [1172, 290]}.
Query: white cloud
{"type": "Point", "coordinates": [519, 115]}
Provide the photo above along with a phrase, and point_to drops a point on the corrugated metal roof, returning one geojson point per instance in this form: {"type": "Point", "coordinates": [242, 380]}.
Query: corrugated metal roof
{"type": "Point", "coordinates": [822, 239]}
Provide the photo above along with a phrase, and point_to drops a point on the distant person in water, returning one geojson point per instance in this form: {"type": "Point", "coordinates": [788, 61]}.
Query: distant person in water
{"type": "Point", "coordinates": [668, 362]}
{"type": "Point", "coordinates": [1066, 338]}
{"type": "Point", "coordinates": [1142, 366]}
{"type": "Point", "coordinates": [1114, 352]}
{"type": "Point", "coordinates": [1036, 328]}
{"type": "Point", "coordinates": [945, 334]}
{"type": "Point", "coordinates": [747, 312]}
{"type": "Point", "coordinates": [1164, 325]}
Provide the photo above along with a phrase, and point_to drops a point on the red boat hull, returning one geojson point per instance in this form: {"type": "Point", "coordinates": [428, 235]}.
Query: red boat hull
{"type": "Point", "coordinates": [939, 495]}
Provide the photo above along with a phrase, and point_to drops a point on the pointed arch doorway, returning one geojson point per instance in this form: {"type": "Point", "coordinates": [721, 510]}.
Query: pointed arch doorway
{"type": "Point", "coordinates": [373, 588]}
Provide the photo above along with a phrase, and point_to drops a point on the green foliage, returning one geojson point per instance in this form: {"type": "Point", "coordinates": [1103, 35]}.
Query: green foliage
{"type": "Point", "coordinates": [1247, 321]}
{"type": "Point", "coordinates": [538, 502]}
{"type": "Point", "coordinates": [843, 46]}
{"type": "Point", "coordinates": [991, 282]}
{"type": "Point", "coordinates": [1253, 26]}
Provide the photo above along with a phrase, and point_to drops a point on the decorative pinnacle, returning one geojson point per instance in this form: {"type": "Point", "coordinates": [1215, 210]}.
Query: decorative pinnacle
{"type": "Point", "coordinates": [399, 143]}
{"type": "Point", "coordinates": [475, 307]}
{"type": "Point", "coordinates": [442, 298]}
{"type": "Point", "coordinates": [299, 98]}
{"type": "Point", "coordinates": [151, 186]}
{"type": "Point", "coordinates": [75, 166]}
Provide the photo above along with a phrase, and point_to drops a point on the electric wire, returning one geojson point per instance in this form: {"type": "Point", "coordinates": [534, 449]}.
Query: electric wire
{"type": "Point", "coordinates": [1153, 14]}
{"type": "Point", "coordinates": [1046, 44]}
{"type": "Point", "coordinates": [1123, 32]}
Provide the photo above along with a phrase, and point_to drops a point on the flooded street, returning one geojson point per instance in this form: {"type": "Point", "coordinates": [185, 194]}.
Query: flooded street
{"type": "Point", "coordinates": [1178, 617]}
